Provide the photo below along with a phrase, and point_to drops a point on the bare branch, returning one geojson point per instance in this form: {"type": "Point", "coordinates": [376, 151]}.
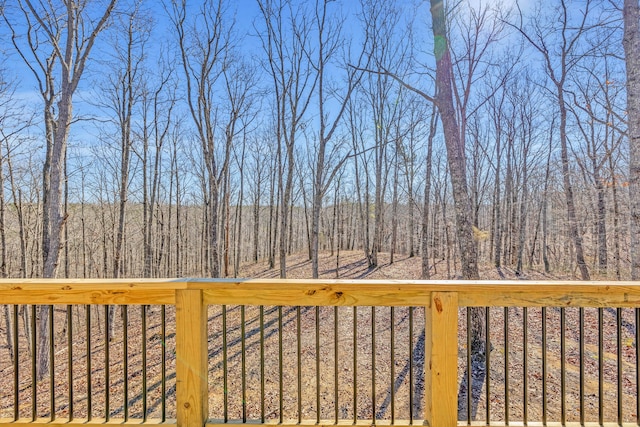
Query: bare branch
{"type": "Point", "coordinates": [397, 79]}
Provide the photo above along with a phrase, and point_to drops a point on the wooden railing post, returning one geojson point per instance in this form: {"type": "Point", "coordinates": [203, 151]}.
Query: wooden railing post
{"type": "Point", "coordinates": [441, 360]}
{"type": "Point", "coordinates": [191, 359]}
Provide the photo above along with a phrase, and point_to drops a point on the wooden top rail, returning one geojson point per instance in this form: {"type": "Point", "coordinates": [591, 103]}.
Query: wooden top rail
{"type": "Point", "coordinates": [321, 292]}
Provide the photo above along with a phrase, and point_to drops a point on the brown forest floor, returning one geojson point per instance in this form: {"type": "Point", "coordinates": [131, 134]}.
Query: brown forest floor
{"type": "Point", "coordinates": [353, 265]}
{"type": "Point", "coordinates": [309, 363]}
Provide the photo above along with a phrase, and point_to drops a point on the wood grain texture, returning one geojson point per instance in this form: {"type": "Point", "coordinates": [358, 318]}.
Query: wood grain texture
{"type": "Point", "coordinates": [567, 298]}
{"type": "Point", "coordinates": [88, 296]}
{"type": "Point", "coordinates": [93, 284]}
{"type": "Point", "coordinates": [407, 293]}
{"type": "Point", "coordinates": [316, 294]}
{"type": "Point", "coordinates": [191, 359]}
{"type": "Point", "coordinates": [321, 292]}
{"type": "Point", "coordinates": [441, 359]}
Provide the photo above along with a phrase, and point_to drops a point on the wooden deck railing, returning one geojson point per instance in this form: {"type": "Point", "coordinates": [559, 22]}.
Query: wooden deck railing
{"type": "Point", "coordinates": [443, 318]}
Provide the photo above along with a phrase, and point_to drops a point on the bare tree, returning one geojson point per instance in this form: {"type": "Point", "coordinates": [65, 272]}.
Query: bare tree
{"type": "Point", "coordinates": [14, 119]}
{"type": "Point", "coordinates": [523, 100]}
{"type": "Point", "coordinates": [384, 99]}
{"type": "Point", "coordinates": [58, 44]}
{"type": "Point", "coordinates": [285, 42]}
{"type": "Point", "coordinates": [361, 167]}
{"type": "Point", "coordinates": [328, 31]}
{"type": "Point", "coordinates": [495, 107]}
{"type": "Point", "coordinates": [258, 152]}
{"type": "Point", "coordinates": [595, 116]}
{"type": "Point", "coordinates": [559, 60]}
{"type": "Point", "coordinates": [631, 44]}
{"type": "Point", "coordinates": [410, 161]}
{"type": "Point", "coordinates": [158, 101]}
{"type": "Point", "coordinates": [454, 142]}
{"type": "Point", "coordinates": [455, 145]}
{"type": "Point", "coordinates": [239, 81]}
{"type": "Point", "coordinates": [204, 45]}
{"type": "Point", "coordinates": [123, 93]}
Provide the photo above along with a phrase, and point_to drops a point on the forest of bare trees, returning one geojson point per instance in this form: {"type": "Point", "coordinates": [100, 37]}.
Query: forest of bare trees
{"type": "Point", "coordinates": [148, 139]}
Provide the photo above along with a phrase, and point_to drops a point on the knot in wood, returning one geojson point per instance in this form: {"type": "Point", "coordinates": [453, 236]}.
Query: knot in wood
{"type": "Point", "coordinates": [438, 304]}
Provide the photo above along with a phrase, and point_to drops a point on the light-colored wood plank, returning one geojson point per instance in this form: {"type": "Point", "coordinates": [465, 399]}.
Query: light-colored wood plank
{"type": "Point", "coordinates": [191, 359]}
{"type": "Point", "coordinates": [81, 296]}
{"type": "Point", "coordinates": [316, 294]}
{"type": "Point", "coordinates": [568, 298]}
{"type": "Point", "coordinates": [441, 359]}
{"type": "Point", "coordinates": [321, 292]}
{"type": "Point", "coordinates": [405, 293]}
{"type": "Point", "coordinates": [93, 284]}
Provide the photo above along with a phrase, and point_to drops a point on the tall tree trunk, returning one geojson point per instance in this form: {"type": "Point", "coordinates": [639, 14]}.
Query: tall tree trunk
{"type": "Point", "coordinates": [214, 257]}
{"type": "Point", "coordinates": [497, 208]}
{"type": "Point", "coordinates": [256, 221]}
{"type": "Point", "coordinates": [427, 195]}
{"type": "Point", "coordinates": [616, 217]}
{"type": "Point", "coordinates": [457, 169]}
{"type": "Point", "coordinates": [574, 230]}
{"type": "Point", "coordinates": [239, 209]}
{"type": "Point", "coordinates": [394, 210]}
{"type": "Point", "coordinates": [178, 226]}
{"type": "Point", "coordinates": [122, 204]}
{"type": "Point", "coordinates": [307, 223]}
{"type": "Point", "coordinates": [273, 213]}
{"type": "Point", "coordinates": [523, 215]}
{"type": "Point", "coordinates": [545, 206]}
{"type": "Point", "coordinates": [287, 191]}
{"type": "Point", "coordinates": [227, 223]}
{"type": "Point", "coordinates": [453, 142]}
{"type": "Point", "coordinates": [508, 224]}
{"type": "Point", "coordinates": [631, 44]}
{"type": "Point", "coordinates": [601, 223]}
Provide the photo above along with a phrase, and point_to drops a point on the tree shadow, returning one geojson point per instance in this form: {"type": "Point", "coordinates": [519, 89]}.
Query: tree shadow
{"type": "Point", "coordinates": [468, 403]}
